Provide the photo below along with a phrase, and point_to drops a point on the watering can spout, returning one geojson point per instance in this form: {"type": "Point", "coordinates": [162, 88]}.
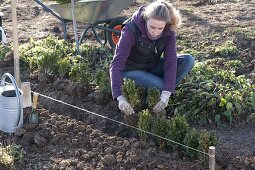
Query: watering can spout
{"type": "Point", "coordinates": [11, 110]}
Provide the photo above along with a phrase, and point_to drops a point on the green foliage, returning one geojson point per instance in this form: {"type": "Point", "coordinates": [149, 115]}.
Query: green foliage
{"type": "Point", "coordinates": [98, 60]}
{"type": "Point", "coordinates": [47, 63]}
{"type": "Point", "coordinates": [152, 98]}
{"type": "Point", "coordinates": [80, 73]}
{"type": "Point", "coordinates": [64, 66]}
{"type": "Point", "coordinates": [251, 101]}
{"type": "Point", "coordinates": [3, 51]}
{"type": "Point", "coordinates": [103, 80]}
{"type": "Point", "coordinates": [228, 49]}
{"type": "Point", "coordinates": [233, 64]}
{"type": "Point", "coordinates": [225, 64]}
{"type": "Point", "coordinates": [130, 92]}
{"type": "Point", "coordinates": [210, 94]}
{"type": "Point", "coordinates": [44, 55]}
{"type": "Point", "coordinates": [98, 57]}
{"type": "Point", "coordinates": [200, 141]}
{"type": "Point", "coordinates": [178, 128]}
{"type": "Point", "coordinates": [207, 139]}
{"type": "Point", "coordinates": [193, 52]}
{"type": "Point", "coordinates": [12, 156]}
{"type": "Point", "coordinates": [144, 123]}
{"type": "Point", "coordinates": [142, 95]}
{"type": "Point", "coordinates": [160, 127]}
{"type": "Point", "coordinates": [192, 140]}
{"type": "Point", "coordinates": [53, 56]}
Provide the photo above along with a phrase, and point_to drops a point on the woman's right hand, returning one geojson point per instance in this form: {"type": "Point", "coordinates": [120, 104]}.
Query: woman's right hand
{"type": "Point", "coordinates": [124, 106]}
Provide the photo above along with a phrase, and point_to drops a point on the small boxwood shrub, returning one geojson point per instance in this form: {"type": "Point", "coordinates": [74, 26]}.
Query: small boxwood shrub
{"type": "Point", "coordinates": [192, 140]}
{"type": "Point", "coordinates": [152, 98]}
{"type": "Point", "coordinates": [160, 127]}
{"type": "Point", "coordinates": [130, 92]}
{"type": "Point", "coordinates": [178, 128]}
{"type": "Point", "coordinates": [144, 123]}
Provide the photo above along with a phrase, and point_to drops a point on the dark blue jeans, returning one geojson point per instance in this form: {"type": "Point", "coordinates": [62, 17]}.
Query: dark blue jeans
{"type": "Point", "coordinates": [155, 78]}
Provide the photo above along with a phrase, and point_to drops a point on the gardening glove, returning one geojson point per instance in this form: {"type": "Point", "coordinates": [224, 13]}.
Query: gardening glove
{"type": "Point", "coordinates": [164, 98]}
{"type": "Point", "coordinates": [2, 36]}
{"type": "Point", "coordinates": [124, 106]}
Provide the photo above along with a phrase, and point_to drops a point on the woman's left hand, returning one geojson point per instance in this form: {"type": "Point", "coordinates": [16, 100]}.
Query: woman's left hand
{"type": "Point", "coordinates": [163, 103]}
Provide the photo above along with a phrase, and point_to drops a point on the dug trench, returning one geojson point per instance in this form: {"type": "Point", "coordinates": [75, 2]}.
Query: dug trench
{"type": "Point", "coordinates": [98, 104]}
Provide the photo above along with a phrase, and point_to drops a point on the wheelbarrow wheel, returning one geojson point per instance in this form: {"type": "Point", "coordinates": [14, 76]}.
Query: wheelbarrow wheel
{"type": "Point", "coordinates": [112, 37]}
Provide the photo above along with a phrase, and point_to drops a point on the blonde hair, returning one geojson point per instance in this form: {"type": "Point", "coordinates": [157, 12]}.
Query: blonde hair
{"type": "Point", "coordinates": [163, 11]}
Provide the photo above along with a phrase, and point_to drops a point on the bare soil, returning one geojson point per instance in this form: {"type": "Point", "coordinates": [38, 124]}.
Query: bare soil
{"type": "Point", "coordinates": [67, 138]}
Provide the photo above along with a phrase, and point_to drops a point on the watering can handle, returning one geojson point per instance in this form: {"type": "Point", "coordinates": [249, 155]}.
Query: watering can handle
{"type": "Point", "coordinates": [16, 91]}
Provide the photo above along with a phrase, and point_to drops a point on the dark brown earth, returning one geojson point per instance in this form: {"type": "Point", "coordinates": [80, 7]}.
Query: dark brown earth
{"type": "Point", "coordinates": [67, 138]}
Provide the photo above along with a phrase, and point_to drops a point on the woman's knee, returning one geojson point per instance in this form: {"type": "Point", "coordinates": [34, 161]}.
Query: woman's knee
{"type": "Point", "coordinates": [189, 60]}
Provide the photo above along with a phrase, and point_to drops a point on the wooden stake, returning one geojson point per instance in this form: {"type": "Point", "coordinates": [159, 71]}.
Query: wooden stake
{"type": "Point", "coordinates": [15, 43]}
{"type": "Point", "coordinates": [211, 158]}
{"type": "Point", "coordinates": [35, 100]}
{"type": "Point", "coordinates": [26, 88]}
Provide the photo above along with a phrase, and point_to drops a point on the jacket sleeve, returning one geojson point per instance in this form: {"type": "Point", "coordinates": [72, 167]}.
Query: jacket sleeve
{"type": "Point", "coordinates": [170, 64]}
{"type": "Point", "coordinates": [122, 51]}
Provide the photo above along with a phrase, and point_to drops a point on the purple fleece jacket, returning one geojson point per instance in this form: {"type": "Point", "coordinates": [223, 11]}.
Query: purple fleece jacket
{"type": "Point", "coordinates": [124, 47]}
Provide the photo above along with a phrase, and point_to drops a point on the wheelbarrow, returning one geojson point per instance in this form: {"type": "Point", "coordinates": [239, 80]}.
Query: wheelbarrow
{"type": "Point", "coordinates": [95, 14]}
